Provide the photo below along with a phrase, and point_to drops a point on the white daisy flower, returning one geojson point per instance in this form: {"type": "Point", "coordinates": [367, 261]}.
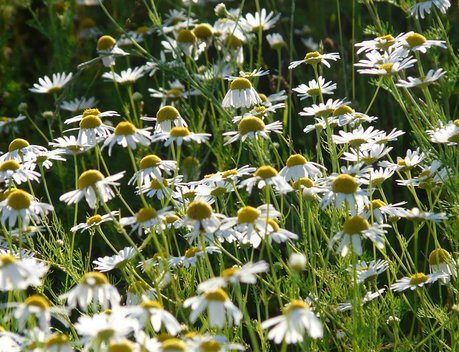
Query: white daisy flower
{"type": "Point", "coordinates": [356, 137]}
{"type": "Point", "coordinates": [252, 127]}
{"type": "Point", "coordinates": [8, 124]}
{"type": "Point", "coordinates": [297, 319]}
{"type": "Point", "coordinates": [125, 77]}
{"type": "Point", "coordinates": [176, 90]}
{"type": "Point", "coordinates": [200, 217]}
{"type": "Point", "coordinates": [159, 189]}
{"type": "Point", "coordinates": [46, 85]}
{"type": "Point", "coordinates": [445, 134]}
{"type": "Point", "coordinates": [92, 130]}
{"type": "Point", "coordinates": [20, 150]}
{"type": "Point", "coordinates": [246, 274]}
{"type": "Point", "coordinates": [17, 272]}
{"type": "Point", "coordinates": [191, 256]}
{"type": "Point", "coordinates": [315, 88]}
{"type": "Point", "coordinates": [415, 214]}
{"type": "Point", "coordinates": [266, 176]}
{"type": "Point", "coordinates": [276, 41]}
{"type": "Point", "coordinates": [12, 172]}
{"type": "Point", "coordinates": [382, 212]}
{"type": "Point", "coordinates": [20, 206]}
{"type": "Point", "coordinates": [261, 20]}
{"type": "Point", "coordinates": [219, 307]}
{"type": "Point", "coordinates": [104, 264]}
{"type": "Point", "coordinates": [298, 167]}
{"type": "Point", "coordinates": [314, 58]}
{"type": "Point", "coordinates": [369, 296]}
{"type": "Point", "coordinates": [93, 186]}
{"type": "Point", "coordinates": [309, 189]}
{"type": "Point", "coordinates": [419, 9]}
{"type": "Point", "coordinates": [417, 42]}
{"type": "Point", "coordinates": [79, 104]}
{"type": "Point", "coordinates": [151, 168]}
{"type": "Point", "coordinates": [94, 220]}
{"type": "Point", "coordinates": [70, 144]}
{"type": "Point", "coordinates": [323, 109]}
{"type": "Point", "coordinates": [412, 159]}
{"type": "Point", "coordinates": [127, 135]}
{"type": "Point", "coordinates": [375, 177]}
{"type": "Point", "coordinates": [368, 153]}
{"type": "Point", "coordinates": [350, 237]}
{"type": "Point", "coordinates": [385, 65]}
{"type": "Point", "coordinates": [91, 112]}
{"type": "Point", "coordinates": [277, 234]}
{"type": "Point", "coordinates": [45, 158]}
{"type": "Point", "coordinates": [165, 118]}
{"type": "Point", "coordinates": [440, 260]}
{"type": "Point", "coordinates": [152, 311]}
{"type": "Point", "coordinates": [429, 177]}
{"type": "Point", "coordinates": [369, 270]}
{"type": "Point", "coordinates": [180, 135]}
{"type": "Point", "coordinates": [417, 280]}
{"type": "Point", "coordinates": [431, 77]}
{"type": "Point", "coordinates": [383, 43]}
{"type": "Point", "coordinates": [94, 289]}
{"type": "Point", "coordinates": [241, 94]}
{"type": "Point", "coordinates": [108, 50]}
{"type": "Point", "coordinates": [145, 219]}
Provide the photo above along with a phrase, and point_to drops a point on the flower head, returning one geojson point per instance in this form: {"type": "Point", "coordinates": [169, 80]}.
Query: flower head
{"type": "Point", "coordinates": [47, 85]}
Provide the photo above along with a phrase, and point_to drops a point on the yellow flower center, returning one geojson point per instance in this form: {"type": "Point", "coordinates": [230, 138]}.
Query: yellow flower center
{"type": "Point", "coordinates": [125, 128]}
{"type": "Point", "coordinates": [401, 162]}
{"type": "Point", "coordinates": [295, 160]}
{"type": "Point", "coordinates": [98, 278]}
{"type": "Point", "coordinates": [87, 23]}
{"type": "Point", "coordinates": [377, 203]}
{"type": "Point", "coordinates": [166, 113]}
{"type": "Point", "coordinates": [7, 259]}
{"type": "Point", "coordinates": [173, 345]}
{"type": "Point", "coordinates": [122, 346]}
{"type": "Point", "coordinates": [218, 295]}
{"type": "Point", "coordinates": [179, 132]}
{"type": "Point", "coordinates": [312, 58]}
{"type": "Point", "coordinates": [89, 178]}
{"type": "Point", "coordinates": [261, 110]}
{"type": "Point", "coordinates": [90, 122]}
{"type": "Point", "coordinates": [387, 37]}
{"type": "Point", "coordinates": [355, 225]}
{"type": "Point", "coordinates": [415, 39]}
{"type": "Point", "coordinates": [313, 91]}
{"type": "Point", "coordinates": [218, 191]}
{"type": "Point", "coordinates": [186, 36]}
{"type": "Point", "coordinates": [263, 97]}
{"type": "Point", "coordinates": [151, 304]}
{"type": "Point", "coordinates": [304, 181]}
{"type": "Point", "coordinates": [17, 144]}
{"type": "Point", "coordinates": [149, 161]}
{"type": "Point", "coordinates": [155, 184]}
{"type": "Point", "coordinates": [454, 138]}
{"type": "Point", "coordinates": [37, 301]}
{"type": "Point", "coordinates": [295, 304]}
{"type": "Point", "coordinates": [95, 219]}
{"type": "Point", "coordinates": [418, 278]}
{"type": "Point", "coordinates": [229, 272]}
{"type": "Point", "coordinates": [106, 43]}
{"type": "Point", "coordinates": [191, 252]}
{"type": "Point", "coordinates": [345, 183]}
{"type": "Point", "coordinates": [146, 214]}
{"type": "Point", "coordinates": [343, 109]}
{"type": "Point", "coordinates": [247, 214]}
{"type": "Point", "coordinates": [19, 199]}
{"type": "Point", "coordinates": [177, 92]}
{"type": "Point", "coordinates": [456, 122]}
{"type": "Point", "coordinates": [203, 31]}
{"type": "Point", "coordinates": [92, 111]}
{"type": "Point", "coordinates": [199, 210]}
{"type": "Point", "coordinates": [229, 173]}
{"type": "Point", "coordinates": [9, 165]}
{"type": "Point", "coordinates": [438, 256]}
{"type": "Point", "coordinates": [142, 30]}
{"type": "Point", "coordinates": [377, 181]}
{"type": "Point", "coordinates": [56, 340]}
{"type": "Point", "coordinates": [274, 225]}
{"type": "Point", "coordinates": [210, 346]}
{"type": "Point", "coordinates": [265, 172]}
{"type": "Point", "coordinates": [387, 67]}
{"type": "Point", "coordinates": [105, 334]}
{"type": "Point", "coordinates": [250, 124]}
{"type": "Point", "coordinates": [171, 219]}
{"type": "Point", "coordinates": [240, 83]}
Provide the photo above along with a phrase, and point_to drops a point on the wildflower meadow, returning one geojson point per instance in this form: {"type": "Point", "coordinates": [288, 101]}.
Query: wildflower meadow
{"type": "Point", "coordinates": [211, 176]}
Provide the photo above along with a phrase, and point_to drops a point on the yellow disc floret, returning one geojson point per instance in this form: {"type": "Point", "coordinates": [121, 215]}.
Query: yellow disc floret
{"type": "Point", "coordinates": [19, 199]}
{"type": "Point", "coordinates": [94, 278]}
{"type": "Point", "coordinates": [37, 301]}
{"type": "Point", "coordinates": [247, 214]}
{"type": "Point", "coordinates": [296, 159]}
{"type": "Point", "coordinates": [179, 132]}
{"type": "Point", "coordinates": [415, 39]}
{"type": "Point", "coordinates": [106, 43]}
{"type": "Point", "coordinates": [265, 172]}
{"type": "Point", "coordinates": [186, 36]}
{"type": "Point", "coordinates": [418, 278]}
{"type": "Point", "coordinates": [166, 113]}
{"type": "Point", "coordinates": [89, 178]}
{"type": "Point", "coordinates": [295, 304]}
{"type": "Point", "coordinates": [17, 144]}
{"type": "Point", "coordinates": [355, 225]}
{"type": "Point", "coordinates": [218, 295]}
{"type": "Point", "coordinates": [250, 124]}
{"type": "Point", "coordinates": [240, 83]}
{"type": "Point", "coordinates": [345, 183]}
{"type": "Point", "coordinates": [146, 214]}
{"type": "Point", "coordinates": [438, 256]}
{"type": "Point", "coordinates": [90, 122]}
{"type": "Point", "coordinates": [9, 165]}
{"type": "Point", "coordinates": [199, 210]}
{"type": "Point", "coordinates": [125, 128]}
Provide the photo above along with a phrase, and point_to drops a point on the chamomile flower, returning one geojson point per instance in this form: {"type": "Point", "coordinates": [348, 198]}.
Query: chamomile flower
{"type": "Point", "coordinates": [277, 234]}
{"type": "Point", "coordinates": [17, 272]}
{"type": "Point", "coordinates": [315, 88]}
{"type": "Point", "coordinates": [127, 135]}
{"type": "Point", "coordinates": [152, 311]}
{"type": "Point", "coordinates": [385, 65]}
{"type": "Point", "coordinates": [356, 137]}
{"type": "Point", "coordinates": [344, 189]}
{"type": "Point", "coordinates": [79, 104]}
{"type": "Point", "coordinates": [415, 214]}
{"type": "Point", "coordinates": [151, 167]}
{"type": "Point", "coordinates": [412, 159]}
{"type": "Point", "coordinates": [369, 270]}
{"type": "Point", "coordinates": [125, 77]}
{"type": "Point", "coordinates": [375, 177]}
{"type": "Point", "coordinates": [431, 77]}
{"type": "Point", "coordinates": [20, 150]}
{"type": "Point", "coordinates": [92, 130]}
{"type": "Point", "coordinates": [8, 124]}
{"type": "Point", "coordinates": [176, 91]}
{"type": "Point", "coordinates": [310, 190]}
{"type": "Point", "coordinates": [298, 167]}
{"type": "Point", "coordinates": [186, 43]}
{"type": "Point", "coordinates": [297, 319]}
{"type": "Point", "coordinates": [94, 220]}
{"type": "Point", "coordinates": [93, 186]}
{"type": "Point", "coordinates": [104, 264]}
{"type": "Point", "coordinates": [417, 280]}
{"type": "Point", "coordinates": [440, 260]}
{"type": "Point", "coordinates": [159, 189]}
{"type": "Point", "coordinates": [260, 21]}
{"type": "Point", "coordinates": [180, 135]}
{"type": "Point", "coordinates": [70, 144]}
{"type": "Point", "coordinates": [350, 237]}
{"type": "Point", "coordinates": [191, 256]}
{"type": "Point", "coordinates": [146, 219]}
{"type": "Point", "coordinates": [108, 50]}
{"type": "Point", "coordinates": [367, 153]}
{"type": "Point", "coordinates": [382, 211]}
{"type": "Point", "coordinates": [206, 343]}
{"type": "Point", "coordinates": [246, 274]}
{"type": "Point", "coordinates": [165, 118]}
{"type": "Point", "coordinates": [252, 127]}
{"type": "Point", "coordinates": [314, 58]}
{"type": "Point", "coordinates": [241, 94]}
{"type": "Point", "coordinates": [12, 172]}
{"type": "Point", "coordinates": [46, 85]}
{"type": "Point", "coordinates": [323, 109]}
{"type": "Point", "coordinates": [266, 176]}
{"type": "Point", "coordinates": [90, 111]}
{"type": "Point", "coordinates": [45, 158]}
{"type": "Point", "coordinates": [369, 296]}
{"type": "Point", "coordinates": [93, 289]}
{"type": "Point", "coordinates": [200, 217]}
{"type": "Point", "coordinates": [419, 9]}
{"type": "Point", "coordinates": [417, 42]}
{"type": "Point", "coordinates": [383, 43]}
{"type": "Point", "coordinates": [220, 309]}
{"type": "Point", "coordinates": [276, 41]}
{"type": "Point", "coordinates": [20, 206]}
{"type": "Point", "coordinates": [445, 134]}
